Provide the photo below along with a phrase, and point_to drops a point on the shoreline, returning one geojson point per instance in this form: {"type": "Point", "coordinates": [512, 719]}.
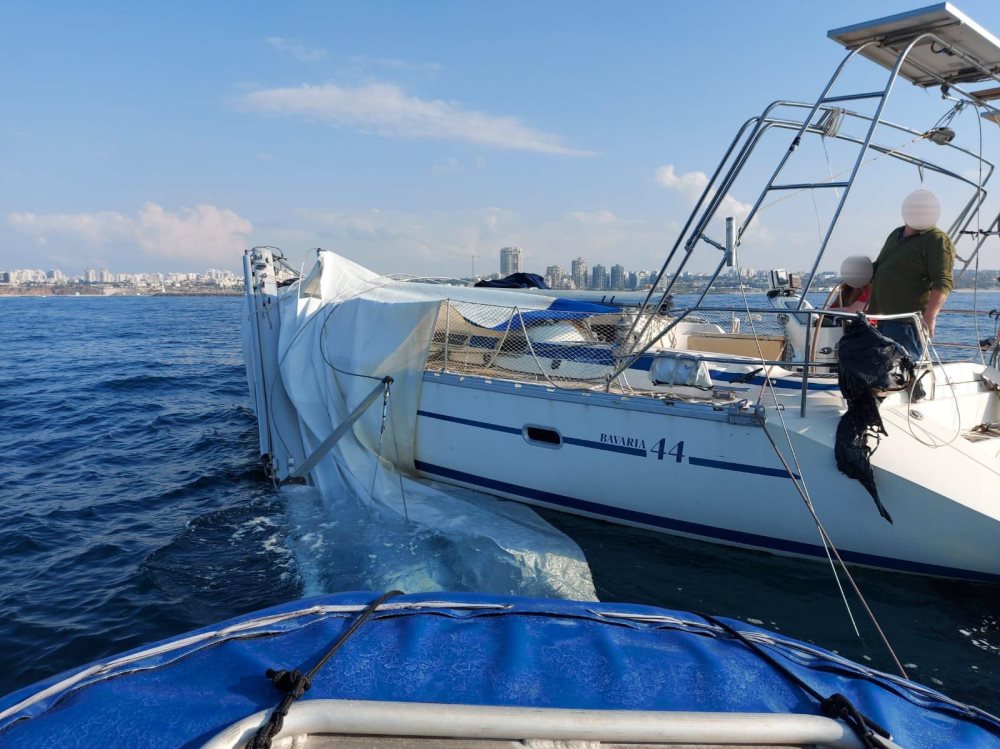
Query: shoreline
{"type": "Point", "coordinates": [81, 294]}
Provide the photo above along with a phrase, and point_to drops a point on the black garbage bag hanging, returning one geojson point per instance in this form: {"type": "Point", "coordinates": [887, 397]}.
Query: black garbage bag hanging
{"type": "Point", "coordinates": [870, 364]}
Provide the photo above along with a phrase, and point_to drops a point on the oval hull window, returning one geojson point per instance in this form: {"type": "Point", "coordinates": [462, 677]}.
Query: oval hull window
{"type": "Point", "coordinates": [542, 436]}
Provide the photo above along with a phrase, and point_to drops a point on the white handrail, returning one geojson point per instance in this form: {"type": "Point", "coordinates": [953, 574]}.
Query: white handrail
{"type": "Point", "coordinates": [416, 719]}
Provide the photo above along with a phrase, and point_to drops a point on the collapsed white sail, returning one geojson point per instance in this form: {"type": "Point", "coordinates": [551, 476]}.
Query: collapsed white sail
{"type": "Point", "coordinates": [336, 334]}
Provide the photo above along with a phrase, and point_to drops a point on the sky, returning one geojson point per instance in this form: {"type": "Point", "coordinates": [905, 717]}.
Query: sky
{"type": "Point", "coordinates": [420, 137]}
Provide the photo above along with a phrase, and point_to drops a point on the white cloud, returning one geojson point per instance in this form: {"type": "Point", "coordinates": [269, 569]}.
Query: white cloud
{"type": "Point", "coordinates": [204, 233]}
{"type": "Point", "coordinates": [386, 109]}
{"type": "Point", "coordinates": [299, 51]}
{"type": "Point", "coordinates": [444, 242]}
{"type": "Point", "coordinates": [692, 184]}
{"type": "Point", "coordinates": [94, 228]}
{"type": "Point", "coordinates": [601, 218]}
{"type": "Point", "coordinates": [363, 225]}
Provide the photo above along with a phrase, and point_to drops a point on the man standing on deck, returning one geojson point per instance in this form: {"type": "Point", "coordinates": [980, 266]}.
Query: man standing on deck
{"type": "Point", "coordinates": [913, 272]}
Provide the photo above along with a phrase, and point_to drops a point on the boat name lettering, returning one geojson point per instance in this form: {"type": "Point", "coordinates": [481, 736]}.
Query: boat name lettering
{"type": "Point", "coordinates": [618, 439]}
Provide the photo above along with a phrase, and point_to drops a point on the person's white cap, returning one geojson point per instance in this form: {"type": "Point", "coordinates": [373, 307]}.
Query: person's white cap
{"type": "Point", "coordinates": [921, 209]}
{"type": "Point", "coordinates": [856, 271]}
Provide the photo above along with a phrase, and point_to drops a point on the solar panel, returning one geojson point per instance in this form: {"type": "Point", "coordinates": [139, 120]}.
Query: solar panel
{"type": "Point", "coordinates": [964, 49]}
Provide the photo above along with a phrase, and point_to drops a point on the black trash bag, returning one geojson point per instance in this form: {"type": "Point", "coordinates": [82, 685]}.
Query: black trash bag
{"type": "Point", "coordinates": [516, 281]}
{"type": "Point", "coordinates": [869, 364]}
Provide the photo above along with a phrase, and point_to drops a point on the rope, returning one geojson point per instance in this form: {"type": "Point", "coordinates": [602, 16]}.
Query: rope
{"type": "Point", "coordinates": [798, 481]}
{"type": "Point", "coordinates": [399, 472]}
{"type": "Point", "coordinates": [387, 417]}
{"type": "Point", "coordinates": [531, 350]}
{"type": "Point", "coordinates": [832, 177]}
{"type": "Point", "coordinates": [843, 565]}
{"type": "Point", "coordinates": [378, 450]}
{"type": "Point", "coordinates": [954, 399]}
{"type": "Point", "coordinates": [836, 706]}
{"type": "Point", "coordinates": [295, 684]}
{"type": "Point", "coordinates": [795, 476]}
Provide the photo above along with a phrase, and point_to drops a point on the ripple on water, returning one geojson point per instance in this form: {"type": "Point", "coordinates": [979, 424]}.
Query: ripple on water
{"type": "Point", "coordinates": [134, 509]}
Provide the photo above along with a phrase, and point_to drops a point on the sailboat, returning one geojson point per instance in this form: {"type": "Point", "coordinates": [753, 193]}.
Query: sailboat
{"type": "Point", "coordinates": [712, 421]}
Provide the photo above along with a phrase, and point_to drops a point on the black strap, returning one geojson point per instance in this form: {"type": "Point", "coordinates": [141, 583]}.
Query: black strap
{"type": "Point", "coordinates": [295, 684]}
{"type": "Point", "coordinates": [836, 706]}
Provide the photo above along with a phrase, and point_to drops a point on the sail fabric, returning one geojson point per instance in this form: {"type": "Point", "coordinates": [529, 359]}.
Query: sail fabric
{"type": "Point", "coordinates": [342, 330]}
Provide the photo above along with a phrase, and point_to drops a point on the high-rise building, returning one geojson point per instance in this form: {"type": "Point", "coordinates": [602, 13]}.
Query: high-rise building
{"type": "Point", "coordinates": [617, 277]}
{"type": "Point", "coordinates": [599, 278]}
{"type": "Point", "coordinates": [553, 275]}
{"type": "Point", "coordinates": [510, 260]}
{"type": "Point", "coordinates": [579, 268]}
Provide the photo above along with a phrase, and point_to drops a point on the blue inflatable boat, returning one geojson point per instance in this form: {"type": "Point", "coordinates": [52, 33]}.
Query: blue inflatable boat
{"type": "Point", "coordinates": [460, 670]}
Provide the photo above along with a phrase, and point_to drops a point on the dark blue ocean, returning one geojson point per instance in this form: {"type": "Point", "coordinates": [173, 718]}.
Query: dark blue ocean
{"type": "Point", "coordinates": [134, 508]}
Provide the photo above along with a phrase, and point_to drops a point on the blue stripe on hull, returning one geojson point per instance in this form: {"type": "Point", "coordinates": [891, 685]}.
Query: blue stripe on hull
{"type": "Point", "coordinates": [724, 465]}
{"type": "Point", "coordinates": [512, 430]}
{"type": "Point", "coordinates": [698, 529]}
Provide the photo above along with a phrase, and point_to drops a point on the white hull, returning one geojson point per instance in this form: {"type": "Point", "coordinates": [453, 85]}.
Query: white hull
{"type": "Point", "coordinates": [700, 462]}
{"type": "Point", "coordinates": [688, 470]}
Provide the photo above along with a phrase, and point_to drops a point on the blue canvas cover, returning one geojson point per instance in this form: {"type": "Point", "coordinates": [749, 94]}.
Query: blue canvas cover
{"type": "Point", "coordinates": [560, 309]}
{"type": "Point", "coordinates": [463, 648]}
{"type": "Point", "coordinates": [515, 281]}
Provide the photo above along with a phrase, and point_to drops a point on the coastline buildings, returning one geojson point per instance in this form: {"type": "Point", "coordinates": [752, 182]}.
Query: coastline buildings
{"type": "Point", "coordinates": [553, 275]}
{"type": "Point", "coordinates": [618, 278]}
{"type": "Point", "coordinates": [599, 278]}
{"type": "Point", "coordinates": [579, 269]}
{"type": "Point", "coordinates": [510, 260]}
{"type": "Point", "coordinates": [103, 281]}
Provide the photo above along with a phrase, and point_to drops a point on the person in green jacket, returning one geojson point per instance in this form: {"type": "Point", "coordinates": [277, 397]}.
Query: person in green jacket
{"type": "Point", "coordinates": [913, 272]}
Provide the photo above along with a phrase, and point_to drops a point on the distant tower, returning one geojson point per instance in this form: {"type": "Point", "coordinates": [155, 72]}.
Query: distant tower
{"type": "Point", "coordinates": [599, 278]}
{"type": "Point", "coordinates": [553, 275]}
{"type": "Point", "coordinates": [510, 260]}
{"type": "Point", "coordinates": [617, 276]}
{"type": "Point", "coordinates": [579, 268]}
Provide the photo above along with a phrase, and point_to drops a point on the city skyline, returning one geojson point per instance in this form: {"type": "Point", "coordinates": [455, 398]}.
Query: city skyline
{"type": "Point", "coordinates": [26, 277]}
{"type": "Point", "coordinates": [580, 276]}
{"type": "Point", "coordinates": [408, 148]}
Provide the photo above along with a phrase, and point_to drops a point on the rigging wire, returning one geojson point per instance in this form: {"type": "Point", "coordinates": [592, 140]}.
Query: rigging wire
{"type": "Point", "coordinates": [399, 461]}
{"type": "Point", "coordinates": [768, 386]}
{"type": "Point", "coordinates": [798, 480]}
{"type": "Point", "coordinates": [378, 450]}
{"type": "Point", "coordinates": [791, 194]}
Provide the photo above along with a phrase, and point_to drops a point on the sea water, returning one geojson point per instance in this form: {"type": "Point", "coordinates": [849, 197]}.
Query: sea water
{"type": "Point", "coordinates": [134, 508]}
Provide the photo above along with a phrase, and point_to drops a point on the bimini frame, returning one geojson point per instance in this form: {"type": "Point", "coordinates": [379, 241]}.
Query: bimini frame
{"type": "Point", "coordinates": [937, 45]}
